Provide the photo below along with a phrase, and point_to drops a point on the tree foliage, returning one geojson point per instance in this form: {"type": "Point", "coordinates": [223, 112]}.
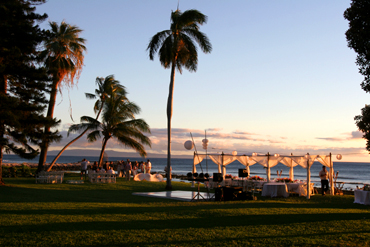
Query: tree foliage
{"type": "Point", "coordinates": [63, 57]}
{"type": "Point", "coordinates": [23, 82]}
{"type": "Point", "coordinates": [358, 38]}
{"type": "Point", "coordinates": [118, 122]}
{"type": "Point", "coordinates": [363, 124]}
{"type": "Point", "coordinates": [107, 87]}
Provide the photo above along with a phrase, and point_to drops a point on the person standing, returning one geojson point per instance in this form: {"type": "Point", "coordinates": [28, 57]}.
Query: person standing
{"type": "Point", "coordinates": [324, 174]}
{"type": "Point", "coordinates": [95, 166]}
{"type": "Point", "coordinates": [84, 165]}
{"type": "Point", "coordinates": [135, 168]}
{"type": "Point", "coordinates": [149, 167]}
{"type": "Point", "coordinates": [128, 169]}
{"type": "Point", "coordinates": [142, 166]}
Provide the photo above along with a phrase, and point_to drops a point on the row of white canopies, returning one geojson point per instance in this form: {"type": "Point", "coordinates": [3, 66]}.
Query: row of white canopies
{"type": "Point", "coordinates": [268, 161]}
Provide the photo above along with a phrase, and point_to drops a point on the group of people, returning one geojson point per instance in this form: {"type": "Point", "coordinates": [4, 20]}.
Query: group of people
{"type": "Point", "coordinates": [123, 168]}
{"type": "Point", "coordinates": [128, 168]}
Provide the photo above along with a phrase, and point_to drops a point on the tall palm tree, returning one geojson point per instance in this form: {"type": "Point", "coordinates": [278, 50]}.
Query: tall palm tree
{"type": "Point", "coordinates": [176, 49]}
{"type": "Point", "coordinates": [63, 56]}
{"type": "Point", "coordinates": [118, 122]}
{"type": "Point", "coordinates": [107, 87]}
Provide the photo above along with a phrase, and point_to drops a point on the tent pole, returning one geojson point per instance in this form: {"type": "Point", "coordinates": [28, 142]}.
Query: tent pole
{"type": "Point", "coordinates": [268, 167]}
{"type": "Point", "coordinates": [222, 169]}
{"type": "Point", "coordinates": [331, 172]}
{"type": "Point", "coordinates": [308, 177]}
{"type": "Point", "coordinates": [205, 137]}
{"type": "Point", "coordinates": [291, 171]}
{"type": "Point", "coordinates": [193, 183]}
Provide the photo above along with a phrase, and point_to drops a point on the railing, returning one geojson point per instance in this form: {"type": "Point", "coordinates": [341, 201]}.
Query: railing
{"type": "Point", "coordinates": [102, 178]}
{"type": "Point", "coordinates": [55, 177]}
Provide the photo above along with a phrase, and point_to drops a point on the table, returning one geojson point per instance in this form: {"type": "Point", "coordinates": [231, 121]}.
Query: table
{"type": "Point", "coordinates": [297, 188]}
{"type": "Point", "coordinates": [362, 197]}
{"type": "Point", "coordinates": [275, 190]}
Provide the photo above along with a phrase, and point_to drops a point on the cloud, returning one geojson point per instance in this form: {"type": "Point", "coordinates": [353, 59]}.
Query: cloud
{"type": "Point", "coordinates": [242, 142]}
{"type": "Point", "coordinates": [357, 134]}
{"type": "Point", "coordinates": [354, 135]}
{"type": "Point", "coordinates": [215, 129]}
{"type": "Point", "coordinates": [333, 139]}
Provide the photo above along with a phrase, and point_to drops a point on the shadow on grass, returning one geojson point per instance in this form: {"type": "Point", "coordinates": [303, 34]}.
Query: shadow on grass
{"type": "Point", "coordinates": [122, 223]}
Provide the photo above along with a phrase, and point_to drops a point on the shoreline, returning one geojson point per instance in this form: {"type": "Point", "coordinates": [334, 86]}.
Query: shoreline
{"type": "Point", "coordinates": [76, 166]}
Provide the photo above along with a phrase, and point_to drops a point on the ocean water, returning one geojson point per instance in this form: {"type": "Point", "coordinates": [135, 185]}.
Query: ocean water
{"type": "Point", "coordinates": [351, 173]}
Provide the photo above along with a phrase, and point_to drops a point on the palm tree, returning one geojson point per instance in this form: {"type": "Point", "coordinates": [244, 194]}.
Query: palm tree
{"type": "Point", "coordinates": [63, 56]}
{"type": "Point", "coordinates": [176, 49]}
{"type": "Point", "coordinates": [118, 121]}
{"type": "Point", "coordinates": [107, 87]}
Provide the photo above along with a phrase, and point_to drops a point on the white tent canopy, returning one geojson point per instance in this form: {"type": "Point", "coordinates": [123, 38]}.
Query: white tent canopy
{"type": "Point", "coordinates": [269, 161]}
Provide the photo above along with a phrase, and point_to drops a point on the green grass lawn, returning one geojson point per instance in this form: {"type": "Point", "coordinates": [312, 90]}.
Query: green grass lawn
{"type": "Point", "coordinates": [109, 215]}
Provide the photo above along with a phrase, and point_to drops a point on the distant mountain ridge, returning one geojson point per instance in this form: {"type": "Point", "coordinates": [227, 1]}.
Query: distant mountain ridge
{"type": "Point", "coordinates": [96, 152]}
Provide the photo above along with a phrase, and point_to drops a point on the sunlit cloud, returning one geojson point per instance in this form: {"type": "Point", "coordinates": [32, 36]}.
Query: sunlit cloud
{"type": "Point", "coordinates": [357, 134]}
{"type": "Point", "coordinates": [215, 129]}
{"type": "Point", "coordinates": [220, 141]}
{"type": "Point", "coordinates": [354, 135]}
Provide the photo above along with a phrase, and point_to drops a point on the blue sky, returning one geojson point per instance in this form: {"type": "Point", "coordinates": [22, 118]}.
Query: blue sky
{"type": "Point", "coordinates": [280, 78]}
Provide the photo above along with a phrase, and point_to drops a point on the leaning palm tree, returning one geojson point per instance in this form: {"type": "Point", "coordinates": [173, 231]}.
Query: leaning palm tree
{"type": "Point", "coordinates": [176, 49]}
{"type": "Point", "coordinates": [118, 122]}
{"type": "Point", "coordinates": [63, 56]}
{"type": "Point", "coordinates": [107, 87]}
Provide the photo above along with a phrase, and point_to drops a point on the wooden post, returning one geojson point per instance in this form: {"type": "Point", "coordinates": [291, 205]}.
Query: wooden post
{"type": "Point", "coordinates": [268, 168]}
{"type": "Point", "coordinates": [308, 178]}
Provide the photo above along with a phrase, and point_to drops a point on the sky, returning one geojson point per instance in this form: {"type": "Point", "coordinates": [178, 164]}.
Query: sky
{"type": "Point", "coordinates": [280, 77]}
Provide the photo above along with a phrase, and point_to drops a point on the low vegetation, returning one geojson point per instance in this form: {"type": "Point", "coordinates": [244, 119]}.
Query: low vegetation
{"type": "Point", "coordinates": [109, 215]}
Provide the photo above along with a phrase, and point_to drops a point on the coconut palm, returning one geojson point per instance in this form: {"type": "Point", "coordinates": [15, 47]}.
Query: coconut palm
{"type": "Point", "coordinates": [107, 87]}
{"type": "Point", "coordinates": [176, 49]}
{"type": "Point", "coordinates": [63, 56]}
{"type": "Point", "coordinates": [118, 122]}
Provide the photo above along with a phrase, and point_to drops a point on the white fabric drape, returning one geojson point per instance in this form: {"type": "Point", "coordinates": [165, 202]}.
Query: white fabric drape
{"type": "Point", "coordinates": [217, 159]}
{"type": "Point", "coordinates": [307, 165]}
{"type": "Point", "coordinates": [287, 161]}
{"type": "Point", "coordinates": [197, 159]}
{"type": "Point", "coordinates": [227, 159]}
{"type": "Point", "coordinates": [268, 162]}
{"type": "Point", "coordinates": [326, 161]}
{"type": "Point", "coordinates": [222, 160]}
{"type": "Point", "coordinates": [246, 161]}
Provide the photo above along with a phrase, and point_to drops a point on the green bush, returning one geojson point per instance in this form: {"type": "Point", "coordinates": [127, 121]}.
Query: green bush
{"type": "Point", "coordinates": [22, 171]}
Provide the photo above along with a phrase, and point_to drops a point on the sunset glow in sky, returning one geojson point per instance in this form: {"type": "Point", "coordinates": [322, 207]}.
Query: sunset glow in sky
{"type": "Point", "coordinates": [280, 78]}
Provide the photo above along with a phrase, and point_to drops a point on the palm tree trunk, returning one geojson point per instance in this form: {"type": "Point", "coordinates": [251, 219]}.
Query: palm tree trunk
{"type": "Point", "coordinates": [1, 166]}
{"type": "Point", "coordinates": [102, 150]}
{"type": "Point", "coordinates": [50, 114]}
{"type": "Point", "coordinates": [65, 147]}
{"type": "Point", "coordinates": [169, 117]}
{"type": "Point", "coordinates": [3, 90]}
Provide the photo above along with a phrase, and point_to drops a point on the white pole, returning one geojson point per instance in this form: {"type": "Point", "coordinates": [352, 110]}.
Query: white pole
{"type": "Point", "coordinates": [331, 172]}
{"type": "Point", "coordinates": [222, 169]}
{"type": "Point", "coordinates": [194, 170]}
{"type": "Point", "coordinates": [308, 177]}
{"type": "Point", "coordinates": [268, 168]}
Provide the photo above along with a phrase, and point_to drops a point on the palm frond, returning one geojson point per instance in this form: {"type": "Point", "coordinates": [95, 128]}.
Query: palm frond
{"type": "Point", "coordinates": [166, 52]}
{"type": "Point", "coordinates": [90, 95]}
{"type": "Point", "coordinates": [156, 41]}
{"type": "Point", "coordinates": [200, 38]}
{"type": "Point", "coordinates": [93, 136]}
{"type": "Point", "coordinates": [192, 16]}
